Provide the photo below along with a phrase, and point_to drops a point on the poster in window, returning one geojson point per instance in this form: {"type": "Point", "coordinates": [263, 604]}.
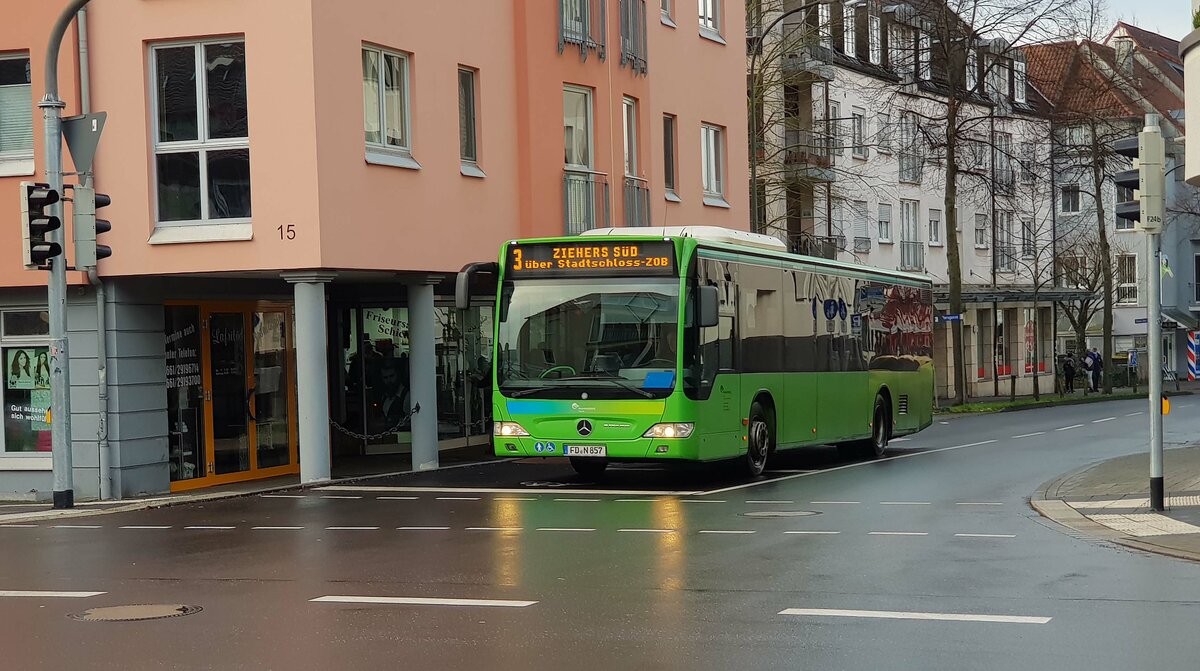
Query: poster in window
{"type": "Point", "coordinates": [26, 399]}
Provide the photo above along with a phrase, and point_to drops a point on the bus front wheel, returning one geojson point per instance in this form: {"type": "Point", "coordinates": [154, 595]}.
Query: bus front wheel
{"type": "Point", "coordinates": [758, 441]}
{"type": "Point", "coordinates": [881, 421]}
{"type": "Point", "coordinates": [589, 467]}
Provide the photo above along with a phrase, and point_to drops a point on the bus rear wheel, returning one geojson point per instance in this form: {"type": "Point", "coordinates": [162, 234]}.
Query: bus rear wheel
{"type": "Point", "coordinates": [758, 441]}
{"type": "Point", "coordinates": [589, 467]}
{"type": "Point", "coordinates": [881, 421]}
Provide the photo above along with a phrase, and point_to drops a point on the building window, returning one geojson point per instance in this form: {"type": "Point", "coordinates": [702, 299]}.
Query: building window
{"type": "Point", "coordinates": [24, 381]}
{"type": "Point", "coordinates": [1069, 199]}
{"type": "Point", "coordinates": [883, 133]}
{"type": "Point", "coordinates": [981, 232]}
{"type": "Point", "coordinates": [858, 131]}
{"type": "Point", "coordinates": [585, 192]}
{"type": "Point", "coordinates": [1019, 81]}
{"type": "Point", "coordinates": [1005, 255]}
{"type": "Point", "coordinates": [849, 28]}
{"type": "Point", "coordinates": [468, 123]}
{"type": "Point", "coordinates": [935, 227]}
{"type": "Point", "coordinates": [712, 155]}
{"type": "Point", "coordinates": [825, 25]}
{"type": "Point", "coordinates": [633, 35]}
{"type": "Point", "coordinates": [862, 227]}
{"type": "Point", "coordinates": [874, 39]}
{"type": "Point", "coordinates": [1124, 195]}
{"type": "Point", "coordinates": [577, 127]}
{"type": "Point", "coordinates": [385, 100]}
{"type": "Point", "coordinates": [584, 24]}
{"type": "Point", "coordinates": [898, 57]}
{"type": "Point", "coordinates": [16, 116]}
{"type": "Point", "coordinates": [629, 126]}
{"type": "Point", "coordinates": [911, 161]}
{"type": "Point", "coordinates": [670, 156]}
{"type": "Point", "coordinates": [710, 17]}
{"type": "Point", "coordinates": [665, 7]}
{"type": "Point", "coordinates": [201, 137]}
{"type": "Point", "coordinates": [1005, 175]}
{"type": "Point", "coordinates": [885, 222]}
{"type": "Point", "coordinates": [1127, 279]}
{"type": "Point", "coordinates": [1028, 239]}
{"type": "Point", "coordinates": [924, 52]}
{"type": "Point", "coordinates": [972, 68]}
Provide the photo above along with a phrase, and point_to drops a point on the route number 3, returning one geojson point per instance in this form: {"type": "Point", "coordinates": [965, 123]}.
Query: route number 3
{"type": "Point", "coordinates": [286, 232]}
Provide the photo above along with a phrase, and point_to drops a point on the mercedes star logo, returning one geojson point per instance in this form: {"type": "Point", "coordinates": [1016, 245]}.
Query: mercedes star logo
{"type": "Point", "coordinates": [584, 427]}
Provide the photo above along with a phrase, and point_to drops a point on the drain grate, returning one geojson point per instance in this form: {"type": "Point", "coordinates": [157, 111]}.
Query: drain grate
{"type": "Point", "coordinates": [780, 513]}
{"type": "Point", "coordinates": [157, 611]}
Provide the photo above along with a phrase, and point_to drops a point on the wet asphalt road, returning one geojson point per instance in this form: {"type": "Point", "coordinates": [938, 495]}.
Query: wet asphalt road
{"type": "Point", "coordinates": [632, 580]}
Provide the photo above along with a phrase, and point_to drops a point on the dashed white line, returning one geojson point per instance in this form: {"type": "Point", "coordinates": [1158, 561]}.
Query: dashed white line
{"type": "Point", "coordinates": [1133, 414]}
{"type": "Point", "coordinates": [276, 528]}
{"type": "Point", "coordinates": [512, 498]}
{"type": "Point", "coordinates": [814, 533]}
{"type": "Point", "coordinates": [580, 500]}
{"type": "Point", "coordinates": [422, 528]}
{"type": "Point", "coordinates": [1106, 419]}
{"type": "Point", "coordinates": [284, 496]}
{"type": "Point", "coordinates": [495, 528]}
{"type": "Point", "coordinates": [210, 528]}
{"type": "Point", "coordinates": [1068, 428]}
{"type": "Point", "coordinates": [703, 500]}
{"type": "Point", "coordinates": [905, 503]}
{"type": "Point", "coordinates": [726, 531]}
{"type": "Point", "coordinates": [899, 440]}
{"type": "Point", "coordinates": [569, 529]}
{"type": "Point", "coordinates": [423, 601]}
{"type": "Point", "coordinates": [330, 496]}
{"type": "Point", "coordinates": [144, 526]}
{"type": "Point", "coordinates": [647, 531]}
{"type": "Point", "coordinates": [978, 503]}
{"type": "Point", "coordinates": [397, 498]}
{"type": "Point", "coordinates": [986, 535]}
{"type": "Point", "coordinates": [1029, 435]}
{"type": "Point", "coordinates": [76, 526]}
{"type": "Point", "coordinates": [897, 533]}
{"type": "Point", "coordinates": [18, 526]}
{"type": "Point", "coordinates": [894, 615]}
{"type": "Point", "coordinates": [457, 498]}
{"type": "Point", "coordinates": [48, 594]}
{"type": "Point", "coordinates": [771, 502]}
{"type": "Point", "coordinates": [831, 503]}
{"type": "Point", "coordinates": [635, 500]}
{"type": "Point", "coordinates": [351, 528]}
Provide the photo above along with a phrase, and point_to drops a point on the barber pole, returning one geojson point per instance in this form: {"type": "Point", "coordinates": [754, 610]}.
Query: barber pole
{"type": "Point", "coordinates": [1192, 355]}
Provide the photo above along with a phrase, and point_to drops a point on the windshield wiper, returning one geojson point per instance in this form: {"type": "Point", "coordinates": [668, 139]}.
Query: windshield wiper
{"type": "Point", "coordinates": [619, 381]}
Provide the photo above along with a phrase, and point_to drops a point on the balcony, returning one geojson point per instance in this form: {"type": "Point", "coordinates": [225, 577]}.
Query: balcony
{"type": "Point", "coordinates": [912, 256]}
{"type": "Point", "coordinates": [862, 245]}
{"type": "Point", "coordinates": [583, 23]}
{"type": "Point", "coordinates": [585, 201]}
{"type": "Point", "coordinates": [823, 247]}
{"type": "Point", "coordinates": [633, 35]}
{"type": "Point", "coordinates": [809, 152]}
{"type": "Point", "coordinates": [637, 202]}
{"type": "Point", "coordinates": [802, 53]}
{"type": "Point", "coordinates": [1005, 257]}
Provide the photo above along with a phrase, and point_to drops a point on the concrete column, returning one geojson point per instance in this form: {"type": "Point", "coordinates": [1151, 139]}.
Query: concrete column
{"type": "Point", "coordinates": [423, 376]}
{"type": "Point", "coordinates": [312, 373]}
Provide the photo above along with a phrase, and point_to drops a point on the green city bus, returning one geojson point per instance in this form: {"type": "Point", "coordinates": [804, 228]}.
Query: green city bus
{"type": "Point", "coordinates": [700, 344]}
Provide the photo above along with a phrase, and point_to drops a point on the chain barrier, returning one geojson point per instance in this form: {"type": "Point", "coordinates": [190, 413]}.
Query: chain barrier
{"type": "Point", "coordinates": [376, 436]}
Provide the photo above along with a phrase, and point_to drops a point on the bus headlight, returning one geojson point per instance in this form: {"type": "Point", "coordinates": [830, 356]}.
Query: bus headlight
{"type": "Point", "coordinates": [670, 430]}
{"type": "Point", "coordinates": [509, 429]}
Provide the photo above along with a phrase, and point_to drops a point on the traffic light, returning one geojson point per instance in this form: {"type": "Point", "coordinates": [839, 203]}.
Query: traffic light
{"type": "Point", "coordinates": [1145, 180]}
{"type": "Point", "coordinates": [87, 227]}
{"type": "Point", "coordinates": [36, 223]}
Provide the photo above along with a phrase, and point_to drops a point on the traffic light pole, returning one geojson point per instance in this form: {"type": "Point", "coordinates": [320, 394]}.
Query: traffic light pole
{"type": "Point", "coordinates": [60, 377]}
{"type": "Point", "coordinates": [1152, 185]}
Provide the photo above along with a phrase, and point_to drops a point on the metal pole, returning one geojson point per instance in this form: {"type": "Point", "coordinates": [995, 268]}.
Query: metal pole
{"type": "Point", "coordinates": [1154, 324]}
{"type": "Point", "coordinates": [56, 290]}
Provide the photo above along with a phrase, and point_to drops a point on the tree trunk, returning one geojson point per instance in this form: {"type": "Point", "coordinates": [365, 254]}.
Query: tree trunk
{"type": "Point", "coordinates": [1105, 259]}
{"type": "Point", "coordinates": [953, 257]}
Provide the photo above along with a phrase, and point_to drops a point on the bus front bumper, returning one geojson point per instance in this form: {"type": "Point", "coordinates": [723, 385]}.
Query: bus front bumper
{"type": "Point", "coordinates": [636, 449]}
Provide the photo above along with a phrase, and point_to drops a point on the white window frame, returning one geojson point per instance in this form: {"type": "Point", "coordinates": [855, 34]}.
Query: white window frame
{"type": "Point", "coordinates": [712, 164]}
{"type": "Point", "coordinates": [1129, 289]}
{"type": "Point", "coordinates": [884, 134]}
{"type": "Point", "coordinates": [1019, 81]}
{"type": "Point", "coordinates": [1028, 238]}
{"type": "Point", "coordinates": [380, 152]}
{"type": "Point", "coordinates": [910, 214]}
{"type": "Point", "coordinates": [849, 26]}
{"type": "Point", "coordinates": [825, 25]}
{"type": "Point", "coordinates": [897, 62]}
{"type": "Point", "coordinates": [15, 163]}
{"type": "Point", "coordinates": [201, 145]}
{"type": "Point", "coordinates": [469, 166]}
{"type": "Point", "coordinates": [667, 13]}
{"type": "Point", "coordinates": [671, 157]}
{"type": "Point", "coordinates": [981, 230]}
{"type": "Point", "coordinates": [1062, 199]}
{"type": "Point", "coordinates": [710, 19]}
{"type": "Point", "coordinates": [858, 132]}
{"type": "Point", "coordinates": [1004, 243]}
{"type": "Point", "coordinates": [972, 69]}
{"type": "Point", "coordinates": [1120, 224]}
{"type": "Point", "coordinates": [629, 117]}
{"type": "Point", "coordinates": [874, 38]}
{"type": "Point", "coordinates": [862, 227]}
{"type": "Point", "coordinates": [885, 222]}
{"type": "Point", "coordinates": [924, 53]}
{"type": "Point", "coordinates": [935, 228]}
{"type": "Point", "coordinates": [591, 125]}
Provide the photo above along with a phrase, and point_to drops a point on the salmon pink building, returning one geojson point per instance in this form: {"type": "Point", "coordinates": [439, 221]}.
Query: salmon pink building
{"type": "Point", "coordinates": [294, 185]}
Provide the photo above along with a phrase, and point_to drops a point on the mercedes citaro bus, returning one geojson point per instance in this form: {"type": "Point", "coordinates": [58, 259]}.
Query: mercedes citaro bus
{"type": "Point", "coordinates": [698, 344]}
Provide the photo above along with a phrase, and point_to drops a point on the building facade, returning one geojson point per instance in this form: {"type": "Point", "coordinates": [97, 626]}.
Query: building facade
{"type": "Point", "coordinates": [294, 188]}
{"type": "Point", "coordinates": [851, 111]}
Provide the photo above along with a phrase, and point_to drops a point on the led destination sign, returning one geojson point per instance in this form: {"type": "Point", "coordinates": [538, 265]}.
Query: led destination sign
{"type": "Point", "coordinates": [567, 259]}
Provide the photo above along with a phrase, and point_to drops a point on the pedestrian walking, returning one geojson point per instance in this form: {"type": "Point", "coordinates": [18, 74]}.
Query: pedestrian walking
{"type": "Point", "coordinates": [1069, 375]}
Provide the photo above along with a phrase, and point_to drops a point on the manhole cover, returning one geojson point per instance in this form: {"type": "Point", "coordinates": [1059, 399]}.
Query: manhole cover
{"type": "Point", "coordinates": [138, 612]}
{"type": "Point", "coordinates": [781, 513]}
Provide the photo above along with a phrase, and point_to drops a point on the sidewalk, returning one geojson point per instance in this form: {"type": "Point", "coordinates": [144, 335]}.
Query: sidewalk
{"type": "Point", "coordinates": [1110, 501]}
{"type": "Point", "coordinates": [1049, 398]}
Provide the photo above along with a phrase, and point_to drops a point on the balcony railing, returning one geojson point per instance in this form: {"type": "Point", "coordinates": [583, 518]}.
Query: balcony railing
{"type": "Point", "coordinates": [911, 165]}
{"type": "Point", "coordinates": [807, 147]}
{"type": "Point", "coordinates": [912, 255]}
{"type": "Point", "coordinates": [1006, 257]}
{"type": "Point", "coordinates": [583, 24]}
{"type": "Point", "coordinates": [637, 202]}
{"type": "Point", "coordinates": [820, 246]}
{"type": "Point", "coordinates": [862, 244]}
{"type": "Point", "coordinates": [585, 201]}
{"type": "Point", "coordinates": [633, 35]}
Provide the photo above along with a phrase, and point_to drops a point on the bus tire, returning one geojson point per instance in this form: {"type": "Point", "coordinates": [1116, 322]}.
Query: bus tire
{"type": "Point", "coordinates": [758, 441]}
{"type": "Point", "coordinates": [881, 425]}
{"type": "Point", "coordinates": [589, 467]}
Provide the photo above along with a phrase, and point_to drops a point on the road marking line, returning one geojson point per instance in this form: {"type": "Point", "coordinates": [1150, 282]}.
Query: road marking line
{"type": "Point", "coordinates": [1133, 414]}
{"type": "Point", "coordinates": [702, 500]}
{"type": "Point", "coordinates": [144, 526]}
{"type": "Point", "coordinates": [51, 595]}
{"type": "Point", "coordinates": [18, 526]}
{"type": "Point", "coordinates": [514, 498]}
{"type": "Point", "coordinates": [26, 505]}
{"type": "Point", "coordinates": [457, 498]}
{"type": "Point", "coordinates": [905, 503]}
{"type": "Point", "coordinates": [897, 533]}
{"type": "Point", "coordinates": [212, 528]}
{"type": "Point", "coordinates": [635, 500]}
{"type": "Point", "coordinates": [1106, 419]}
{"type": "Point", "coordinates": [648, 531]}
{"type": "Point", "coordinates": [351, 528]}
{"type": "Point", "coordinates": [873, 462]}
{"type": "Point", "coordinates": [495, 528]}
{"type": "Point", "coordinates": [814, 533]}
{"type": "Point", "coordinates": [340, 497]}
{"type": "Point", "coordinates": [282, 496]}
{"type": "Point", "coordinates": [397, 498]}
{"type": "Point", "coordinates": [501, 490]}
{"type": "Point", "coordinates": [894, 615]}
{"type": "Point", "coordinates": [581, 500]}
{"type": "Point", "coordinates": [829, 503]}
{"type": "Point", "coordinates": [899, 440]}
{"type": "Point", "coordinates": [1029, 435]}
{"type": "Point", "coordinates": [978, 503]}
{"type": "Point", "coordinates": [1067, 428]}
{"type": "Point", "coordinates": [726, 531]}
{"type": "Point", "coordinates": [76, 526]}
{"type": "Point", "coordinates": [423, 601]}
{"type": "Point", "coordinates": [772, 502]}
{"type": "Point", "coordinates": [563, 529]}
{"type": "Point", "coordinates": [986, 535]}
{"type": "Point", "coordinates": [422, 528]}
{"type": "Point", "coordinates": [276, 528]}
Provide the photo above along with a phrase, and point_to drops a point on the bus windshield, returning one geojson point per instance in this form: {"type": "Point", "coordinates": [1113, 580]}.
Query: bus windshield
{"type": "Point", "coordinates": [610, 338]}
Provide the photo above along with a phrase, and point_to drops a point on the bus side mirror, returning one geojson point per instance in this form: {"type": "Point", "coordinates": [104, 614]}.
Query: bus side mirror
{"type": "Point", "coordinates": [709, 312]}
{"type": "Point", "coordinates": [462, 282]}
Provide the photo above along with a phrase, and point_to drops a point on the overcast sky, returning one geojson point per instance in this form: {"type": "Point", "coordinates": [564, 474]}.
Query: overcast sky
{"type": "Point", "coordinates": [1172, 18]}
